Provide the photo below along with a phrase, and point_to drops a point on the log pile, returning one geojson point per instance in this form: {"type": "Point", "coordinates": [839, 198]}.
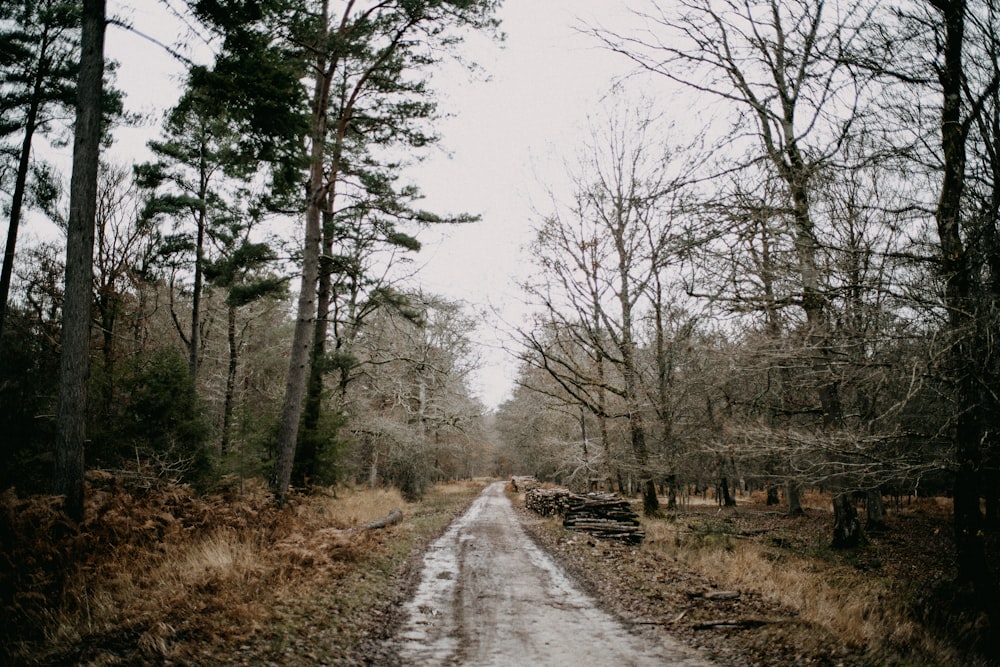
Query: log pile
{"type": "Point", "coordinates": [522, 483]}
{"type": "Point", "coordinates": [603, 515]}
{"type": "Point", "coordinates": [547, 502]}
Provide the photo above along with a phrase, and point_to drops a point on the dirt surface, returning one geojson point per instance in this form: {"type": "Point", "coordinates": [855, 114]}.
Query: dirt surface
{"type": "Point", "coordinates": [489, 596]}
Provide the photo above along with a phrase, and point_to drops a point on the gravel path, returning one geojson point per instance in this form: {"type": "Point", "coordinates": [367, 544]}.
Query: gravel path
{"type": "Point", "coordinates": [489, 596]}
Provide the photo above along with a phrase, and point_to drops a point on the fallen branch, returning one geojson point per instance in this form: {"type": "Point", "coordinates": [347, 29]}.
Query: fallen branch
{"type": "Point", "coordinates": [390, 519]}
{"type": "Point", "coordinates": [721, 595]}
{"type": "Point", "coordinates": [731, 623]}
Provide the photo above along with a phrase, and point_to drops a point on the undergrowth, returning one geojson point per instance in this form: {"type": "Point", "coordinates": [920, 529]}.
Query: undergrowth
{"type": "Point", "coordinates": [866, 597]}
{"type": "Point", "coordinates": [156, 576]}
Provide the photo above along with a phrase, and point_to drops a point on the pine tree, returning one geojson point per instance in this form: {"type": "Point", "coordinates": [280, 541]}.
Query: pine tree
{"type": "Point", "coordinates": [195, 158]}
{"type": "Point", "coordinates": [74, 360]}
{"type": "Point", "coordinates": [39, 43]}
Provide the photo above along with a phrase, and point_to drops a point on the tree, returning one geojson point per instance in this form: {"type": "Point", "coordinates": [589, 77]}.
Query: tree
{"type": "Point", "coordinates": [413, 405]}
{"type": "Point", "coordinates": [540, 433]}
{"type": "Point", "coordinates": [123, 248]}
{"type": "Point", "coordinates": [362, 236]}
{"type": "Point", "coordinates": [197, 154]}
{"type": "Point", "coordinates": [374, 43]}
{"type": "Point", "coordinates": [599, 259]}
{"type": "Point", "coordinates": [38, 68]}
{"type": "Point", "coordinates": [74, 357]}
{"type": "Point", "coordinates": [29, 372]}
{"type": "Point", "coordinates": [959, 110]}
{"type": "Point", "coordinates": [950, 56]}
{"type": "Point", "coordinates": [778, 62]}
{"type": "Point", "coordinates": [241, 270]}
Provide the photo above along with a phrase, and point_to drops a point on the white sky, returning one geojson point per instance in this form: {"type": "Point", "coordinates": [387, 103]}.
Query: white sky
{"type": "Point", "coordinates": [504, 144]}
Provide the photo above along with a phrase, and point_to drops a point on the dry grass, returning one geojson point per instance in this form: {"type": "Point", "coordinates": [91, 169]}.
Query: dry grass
{"type": "Point", "coordinates": [819, 586]}
{"type": "Point", "coordinates": [168, 575]}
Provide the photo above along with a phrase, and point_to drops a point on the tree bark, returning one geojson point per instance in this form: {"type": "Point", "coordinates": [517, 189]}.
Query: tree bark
{"type": "Point", "coordinates": [846, 525]}
{"type": "Point", "coordinates": [199, 270]}
{"type": "Point", "coordinates": [74, 360]}
{"type": "Point", "coordinates": [875, 511]}
{"type": "Point", "coordinates": [230, 400]}
{"type": "Point", "coordinates": [637, 428]}
{"type": "Point", "coordinates": [309, 455]}
{"type": "Point", "coordinates": [969, 523]}
{"type": "Point", "coordinates": [725, 497]}
{"type": "Point", "coordinates": [302, 339]}
{"type": "Point", "coordinates": [793, 490]}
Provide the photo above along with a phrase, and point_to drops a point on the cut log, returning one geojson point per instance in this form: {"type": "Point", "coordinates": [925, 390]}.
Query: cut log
{"type": "Point", "coordinates": [390, 519]}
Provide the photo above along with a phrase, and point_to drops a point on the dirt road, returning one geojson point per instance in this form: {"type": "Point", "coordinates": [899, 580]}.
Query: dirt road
{"type": "Point", "coordinates": [489, 596]}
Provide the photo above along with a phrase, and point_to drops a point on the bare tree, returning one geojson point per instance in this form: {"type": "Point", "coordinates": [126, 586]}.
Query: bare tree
{"type": "Point", "coordinates": [960, 109]}
{"type": "Point", "coordinates": [776, 62]}
{"type": "Point", "coordinates": [599, 257]}
{"type": "Point", "coordinates": [123, 246]}
{"type": "Point", "coordinates": [411, 402]}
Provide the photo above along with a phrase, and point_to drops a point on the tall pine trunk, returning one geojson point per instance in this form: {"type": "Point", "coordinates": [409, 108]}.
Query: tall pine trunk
{"type": "Point", "coordinates": [307, 463]}
{"type": "Point", "coordinates": [199, 271]}
{"type": "Point", "coordinates": [302, 338]}
{"type": "Point", "coordinates": [74, 360]}
{"type": "Point", "coordinates": [230, 399]}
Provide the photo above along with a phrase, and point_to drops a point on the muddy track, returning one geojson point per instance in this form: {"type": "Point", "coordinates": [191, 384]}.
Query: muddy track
{"type": "Point", "coordinates": [489, 596]}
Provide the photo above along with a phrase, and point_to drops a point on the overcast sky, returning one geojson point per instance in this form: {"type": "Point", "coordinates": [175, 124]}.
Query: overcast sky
{"type": "Point", "coordinates": [508, 132]}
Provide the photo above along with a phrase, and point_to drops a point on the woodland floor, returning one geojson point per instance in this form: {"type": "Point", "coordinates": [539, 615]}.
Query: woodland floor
{"type": "Point", "coordinates": [172, 591]}
{"type": "Point", "coordinates": [911, 565]}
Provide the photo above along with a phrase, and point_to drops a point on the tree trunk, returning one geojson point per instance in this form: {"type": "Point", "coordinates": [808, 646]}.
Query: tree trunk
{"type": "Point", "coordinates": [726, 497]}
{"type": "Point", "coordinates": [309, 437]}
{"type": "Point", "coordinates": [793, 490]}
{"type": "Point", "coordinates": [298, 362]}
{"type": "Point", "coordinates": [875, 510]}
{"type": "Point", "coordinates": [969, 523]}
{"type": "Point", "coordinates": [846, 525]}
{"type": "Point", "coordinates": [672, 492]}
{"type": "Point", "coordinates": [230, 401]}
{"type": "Point", "coordinates": [199, 261]}
{"type": "Point", "coordinates": [74, 360]}
{"type": "Point", "coordinates": [650, 501]}
{"type": "Point", "coordinates": [302, 339]}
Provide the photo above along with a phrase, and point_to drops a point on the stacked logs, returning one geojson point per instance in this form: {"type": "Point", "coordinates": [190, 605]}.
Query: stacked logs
{"type": "Point", "coordinates": [547, 502]}
{"type": "Point", "coordinates": [522, 483]}
{"type": "Point", "coordinates": [603, 515]}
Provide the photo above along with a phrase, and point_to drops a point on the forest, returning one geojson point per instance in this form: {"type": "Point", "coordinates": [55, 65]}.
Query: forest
{"type": "Point", "coordinates": [796, 291]}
